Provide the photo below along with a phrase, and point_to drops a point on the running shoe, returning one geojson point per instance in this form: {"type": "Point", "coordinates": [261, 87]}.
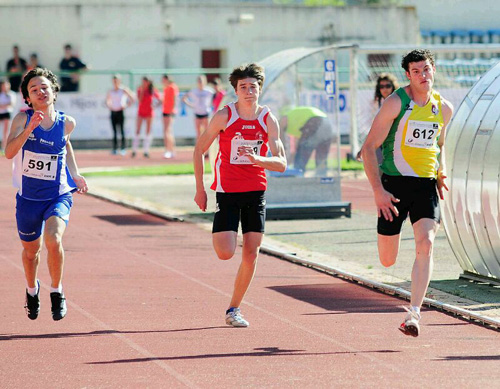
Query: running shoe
{"type": "Point", "coordinates": [58, 305]}
{"type": "Point", "coordinates": [33, 303]}
{"type": "Point", "coordinates": [235, 318]}
{"type": "Point", "coordinates": [168, 155]}
{"type": "Point", "coordinates": [146, 155]}
{"type": "Point", "coordinates": [123, 152]}
{"type": "Point", "coordinates": [410, 326]}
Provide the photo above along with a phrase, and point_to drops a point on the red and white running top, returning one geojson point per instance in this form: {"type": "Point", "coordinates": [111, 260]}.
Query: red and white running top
{"type": "Point", "coordinates": [233, 172]}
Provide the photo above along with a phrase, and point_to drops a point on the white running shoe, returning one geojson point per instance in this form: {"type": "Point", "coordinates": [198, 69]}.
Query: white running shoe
{"type": "Point", "coordinates": [410, 326]}
{"type": "Point", "coordinates": [168, 155]}
{"type": "Point", "coordinates": [235, 318]}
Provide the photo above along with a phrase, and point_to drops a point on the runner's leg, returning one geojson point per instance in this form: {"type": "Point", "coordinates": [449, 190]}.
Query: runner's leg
{"type": "Point", "coordinates": [250, 252]}
{"type": "Point", "coordinates": [54, 230]}
{"type": "Point", "coordinates": [225, 244]}
{"type": "Point", "coordinates": [425, 232]}
{"type": "Point", "coordinates": [31, 260]}
{"type": "Point", "coordinates": [388, 249]}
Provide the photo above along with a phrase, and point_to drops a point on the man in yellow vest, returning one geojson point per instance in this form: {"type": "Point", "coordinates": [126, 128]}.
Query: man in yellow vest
{"type": "Point", "coordinates": [314, 132]}
{"type": "Point", "coordinates": [410, 127]}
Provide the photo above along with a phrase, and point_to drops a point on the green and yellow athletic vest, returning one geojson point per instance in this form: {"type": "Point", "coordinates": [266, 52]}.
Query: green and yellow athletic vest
{"type": "Point", "coordinates": [298, 117]}
{"type": "Point", "coordinates": [411, 147]}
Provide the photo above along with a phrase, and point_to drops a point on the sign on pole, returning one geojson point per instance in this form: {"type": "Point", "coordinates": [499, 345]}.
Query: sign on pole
{"type": "Point", "coordinates": [330, 87]}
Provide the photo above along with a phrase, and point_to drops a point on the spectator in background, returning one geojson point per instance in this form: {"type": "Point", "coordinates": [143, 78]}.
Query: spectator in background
{"type": "Point", "coordinates": [117, 100]}
{"type": "Point", "coordinates": [200, 100]}
{"type": "Point", "coordinates": [72, 64]}
{"type": "Point", "coordinates": [170, 94]}
{"type": "Point", "coordinates": [146, 94]}
{"type": "Point", "coordinates": [33, 63]}
{"type": "Point", "coordinates": [16, 65]}
{"type": "Point", "coordinates": [387, 83]}
{"type": "Point", "coordinates": [7, 102]}
{"type": "Point", "coordinates": [219, 94]}
{"type": "Point", "coordinates": [313, 131]}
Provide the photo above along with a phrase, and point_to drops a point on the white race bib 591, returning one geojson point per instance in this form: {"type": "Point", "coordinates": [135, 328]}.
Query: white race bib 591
{"type": "Point", "coordinates": [40, 166]}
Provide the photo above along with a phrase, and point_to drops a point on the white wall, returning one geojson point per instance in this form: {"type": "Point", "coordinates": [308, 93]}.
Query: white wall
{"type": "Point", "coordinates": [457, 14]}
{"type": "Point", "coordinates": [129, 34]}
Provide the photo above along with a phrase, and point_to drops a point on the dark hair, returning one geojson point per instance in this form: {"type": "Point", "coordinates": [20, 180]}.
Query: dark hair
{"type": "Point", "coordinates": [247, 71]}
{"type": "Point", "coordinates": [67, 46]}
{"type": "Point", "coordinates": [150, 84]}
{"type": "Point", "coordinates": [39, 72]}
{"type": "Point", "coordinates": [416, 55]}
{"type": "Point", "coordinates": [385, 77]}
{"type": "Point", "coordinates": [165, 76]}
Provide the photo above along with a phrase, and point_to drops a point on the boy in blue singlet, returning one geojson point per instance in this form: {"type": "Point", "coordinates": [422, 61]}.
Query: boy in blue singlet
{"type": "Point", "coordinates": [45, 173]}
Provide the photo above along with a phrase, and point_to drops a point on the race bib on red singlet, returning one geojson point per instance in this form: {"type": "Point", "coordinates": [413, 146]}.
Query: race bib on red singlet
{"type": "Point", "coordinates": [236, 143]}
{"type": "Point", "coordinates": [40, 166]}
{"type": "Point", "coordinates": [421, 134]}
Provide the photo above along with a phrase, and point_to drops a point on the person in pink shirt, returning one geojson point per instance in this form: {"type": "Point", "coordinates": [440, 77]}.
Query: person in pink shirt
{"type": "Point", "coordinates": [146, 94]}
{"type": "Point", "coordinates": [219, 94]}
{"type": "Point", "coordinates": [170, 93]}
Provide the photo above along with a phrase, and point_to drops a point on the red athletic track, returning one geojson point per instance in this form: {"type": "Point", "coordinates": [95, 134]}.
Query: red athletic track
{"type": "Point", "coordinates": [146, 309]}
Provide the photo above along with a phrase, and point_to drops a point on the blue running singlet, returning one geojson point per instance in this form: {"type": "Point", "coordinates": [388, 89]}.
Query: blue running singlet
{"type": "Point", "coordinates": [40, 172]}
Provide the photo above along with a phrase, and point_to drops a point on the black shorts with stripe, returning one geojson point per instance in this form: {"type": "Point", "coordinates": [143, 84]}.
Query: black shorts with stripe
{"type": "Point", "coordinates": [249, 207]}
{"type": "Point", "coordinates": [418, 198]}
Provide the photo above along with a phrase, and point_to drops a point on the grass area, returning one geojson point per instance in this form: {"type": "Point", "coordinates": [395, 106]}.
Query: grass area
{"type": "Point", "coordinates": [351, 165]}
{"type": "Point", "coordinates": [158, 170]}
{"type": "Point", "coordinates": [187, 168]}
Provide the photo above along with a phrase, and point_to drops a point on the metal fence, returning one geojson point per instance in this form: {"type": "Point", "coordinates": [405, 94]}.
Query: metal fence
{"type": "Point", "coordinates": [458, 68]}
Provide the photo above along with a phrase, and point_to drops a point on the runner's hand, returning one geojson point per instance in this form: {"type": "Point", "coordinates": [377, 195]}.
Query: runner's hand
{"type": "Point", "coordinates": [200, 199]}
{"type": "Point", "coordinates": [36, 119]}
{"type": "Point", "coordinates": [81, 184]}
{"type": "Point", "coordinates": [249, 152]}
{"type": "Point", "coordinates": [441, 184]}
{"type": "Point", "coordinates": [385, 204]}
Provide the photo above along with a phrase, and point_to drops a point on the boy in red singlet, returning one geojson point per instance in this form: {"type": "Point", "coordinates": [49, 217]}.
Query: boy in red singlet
{"type": "Point", "coordinates": [246, 131]}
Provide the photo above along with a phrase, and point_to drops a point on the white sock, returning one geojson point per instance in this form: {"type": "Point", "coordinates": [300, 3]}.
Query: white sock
{"type": "Point", "coordinates": [135, 142]}
{"type": "Point", "coordinates": [56, 290]}
{"type": "Point", "coordinates": [33, 291]}
{"type": "Point", "coordinates": [147, 142]}
{"type": "Point", "coordinates": [415, 309]}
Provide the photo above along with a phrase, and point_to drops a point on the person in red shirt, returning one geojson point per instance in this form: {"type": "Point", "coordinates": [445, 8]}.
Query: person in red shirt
{"type": "Point", "coordinates": [246, 131]}
{"type": "Point", "coordinates": [218, 95]}
{"type": "Point", "coordinates": [170, 93]}
{"type": "Point", "coordinates": [146, 94]}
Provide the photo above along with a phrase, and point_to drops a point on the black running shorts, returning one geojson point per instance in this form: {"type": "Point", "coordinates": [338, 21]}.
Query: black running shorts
{"type": "Point", "coordinates": [249, 206]}
{"type": "Point", "coordinates": [418, 198]}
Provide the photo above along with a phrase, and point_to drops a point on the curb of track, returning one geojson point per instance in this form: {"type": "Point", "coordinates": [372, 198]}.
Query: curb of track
{"type": "Point", "coordinates": [384, 288]}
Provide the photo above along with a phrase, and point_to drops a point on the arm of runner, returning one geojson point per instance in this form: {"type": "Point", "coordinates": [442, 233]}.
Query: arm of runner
{"type": "Point", "coordinates": [19, 132]}
{"type": "Point", "coordinates": [447, 108]}
{"type": "Point", "coordinates": [277, 161]}
{"type": "Point", "coordinates": [157, 96]}
{"type": "Point", "coordinates": [131, 97]}
{"type": "Point", "coordinates": [216, 125]}
{"type": "Point", "coordinates": [80, 182]}
{"type": "Point", "coordinates": [185, 100]}
{"type": "Point", "coordinates": [108, 100]}
{"type": "Point", "coordinates": [378, 133]}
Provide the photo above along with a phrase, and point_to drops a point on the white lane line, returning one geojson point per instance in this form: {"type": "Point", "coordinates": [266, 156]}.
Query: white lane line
{"type": "Point", "coordinates": [154, 358]}
{"type": "Point", "coordinates": [374, 360]}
